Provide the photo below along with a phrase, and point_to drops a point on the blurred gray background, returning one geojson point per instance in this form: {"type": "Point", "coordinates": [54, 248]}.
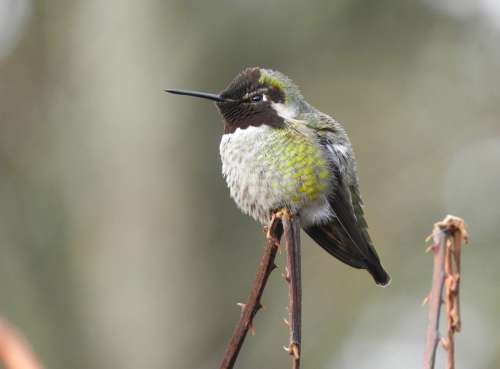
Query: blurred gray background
{"type": "Point", "coordinates": [119, 244]}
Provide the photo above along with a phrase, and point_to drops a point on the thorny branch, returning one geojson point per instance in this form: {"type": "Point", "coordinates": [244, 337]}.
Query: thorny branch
{"type": "Point", "coordinates": [253, 304]}
{"type": "Point", "coordinates": [447, 236]}
{"type": "Point", "coordinates": [15, 352]}
{"type": "Point", "coordinates": [282, 222]}
{"type": "Point", "coordinates": [291, 228]}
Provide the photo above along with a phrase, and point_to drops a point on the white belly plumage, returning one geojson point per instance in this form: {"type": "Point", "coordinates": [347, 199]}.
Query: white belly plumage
{"type": "Point", "coordinates": [266, 169]}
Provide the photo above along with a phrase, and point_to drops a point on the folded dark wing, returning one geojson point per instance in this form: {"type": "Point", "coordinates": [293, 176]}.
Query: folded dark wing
{"type": "Point", "coordinates": [346, 236]}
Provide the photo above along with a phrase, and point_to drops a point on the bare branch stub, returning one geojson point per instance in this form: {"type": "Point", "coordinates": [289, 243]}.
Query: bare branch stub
{"type": "Point", "coordinates": [447, 236]}
{"type": "Point", "coordinates": [253, 304]}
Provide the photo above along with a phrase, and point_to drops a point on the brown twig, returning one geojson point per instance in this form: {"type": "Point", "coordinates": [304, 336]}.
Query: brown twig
{"type": "Point", "coordinates": [447, 236]}
{"type": "Point", "coordinates": [253, 304]}
{"type": "Point", "coordinates": [434, 300]}
{"type": "Point", "coordinates": [291, 228]}
{"type": "Point", "coordinates": [15, 352]}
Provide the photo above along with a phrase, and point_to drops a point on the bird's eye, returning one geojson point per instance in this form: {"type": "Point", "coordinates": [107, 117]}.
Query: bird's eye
{"type": "Point", "coordinates": [256, 98]}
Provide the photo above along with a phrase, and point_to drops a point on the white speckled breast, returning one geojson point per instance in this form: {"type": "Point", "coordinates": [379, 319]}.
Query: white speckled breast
{"type": "Point", "coordinates": [267, 168]}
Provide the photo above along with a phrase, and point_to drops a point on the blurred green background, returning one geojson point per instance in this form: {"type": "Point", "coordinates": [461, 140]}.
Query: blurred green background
{"type": "Point", "coordinates": [119, 244]}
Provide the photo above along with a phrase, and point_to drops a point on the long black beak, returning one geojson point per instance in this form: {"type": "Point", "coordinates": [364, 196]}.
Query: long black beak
{"type": "Point", "coordinates": [203, 95]}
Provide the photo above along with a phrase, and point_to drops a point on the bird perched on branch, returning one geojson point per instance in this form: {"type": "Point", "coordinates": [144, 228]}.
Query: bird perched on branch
{"type": "Point", "coordinates": [278, 151]}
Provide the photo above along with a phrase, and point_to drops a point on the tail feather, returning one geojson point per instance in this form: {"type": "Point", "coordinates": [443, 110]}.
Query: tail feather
{"type": "Point", "coordinates": [379, 274]}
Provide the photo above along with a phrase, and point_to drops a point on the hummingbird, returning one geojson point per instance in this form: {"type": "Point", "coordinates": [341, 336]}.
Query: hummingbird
{"type": "Point", "coordinates": [278, 151]}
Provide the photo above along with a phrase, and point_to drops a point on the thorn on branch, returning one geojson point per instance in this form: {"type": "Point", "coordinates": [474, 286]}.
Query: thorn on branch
{"type": "Point", "coordinates": [286, 275]}
{"type": "Point", "coordinates": [425, 300]}
{"type": "Point", "coordinates": [445, 343]}
{"type": "Point", "coordinates": [293, 350]}
{"type": "Point", "coordinates": [241, 305]}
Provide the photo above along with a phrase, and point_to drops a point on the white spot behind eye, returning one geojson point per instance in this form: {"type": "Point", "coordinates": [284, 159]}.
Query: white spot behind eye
{"type": "Point", "coordinates": [264, 97]}
{"type": "Point", "coordinates": [284, 111]}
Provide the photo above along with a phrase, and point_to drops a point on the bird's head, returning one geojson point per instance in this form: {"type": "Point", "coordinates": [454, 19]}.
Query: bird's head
{"type": "Point", "coordinates": [255, 97]}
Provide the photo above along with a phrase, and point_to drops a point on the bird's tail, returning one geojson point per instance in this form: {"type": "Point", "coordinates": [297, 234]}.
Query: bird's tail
{"type": "Point", "coordinates": [338, 242]}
